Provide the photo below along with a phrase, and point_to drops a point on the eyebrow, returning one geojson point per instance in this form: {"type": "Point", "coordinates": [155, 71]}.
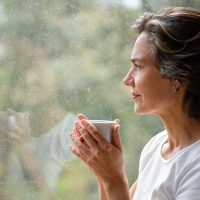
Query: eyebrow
{"type": "Point", "coordinates": [133, 60]}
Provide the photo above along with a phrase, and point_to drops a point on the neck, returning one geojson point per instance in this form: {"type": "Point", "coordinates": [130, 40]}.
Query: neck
{"type": "Point", "coordinates": [182, 130]}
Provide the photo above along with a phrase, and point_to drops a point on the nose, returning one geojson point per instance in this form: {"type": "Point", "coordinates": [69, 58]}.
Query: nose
{"type": "Point", "coordinates": [129, 80]}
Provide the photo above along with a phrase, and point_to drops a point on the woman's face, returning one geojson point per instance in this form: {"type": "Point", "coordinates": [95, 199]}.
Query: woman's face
{"type": "Point", "coordinates": [150, 92]}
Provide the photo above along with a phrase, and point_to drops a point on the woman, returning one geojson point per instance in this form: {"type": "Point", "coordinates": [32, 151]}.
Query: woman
{"type": "Point", "coordinates": [164, 80]}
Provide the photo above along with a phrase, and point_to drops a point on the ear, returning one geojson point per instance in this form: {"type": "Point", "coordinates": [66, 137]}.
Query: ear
{"type": "Point", "coordinates": [176, 84]}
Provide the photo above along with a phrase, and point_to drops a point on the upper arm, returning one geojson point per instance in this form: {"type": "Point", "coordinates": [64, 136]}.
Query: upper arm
{"type": "Point", "coordinates": [132, 189]}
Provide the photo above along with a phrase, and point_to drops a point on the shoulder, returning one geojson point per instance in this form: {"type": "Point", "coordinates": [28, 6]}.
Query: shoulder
{"type": "Point", "coordinates": [188, 176]}
{"type": "Point", "coordinates": [188, 159]}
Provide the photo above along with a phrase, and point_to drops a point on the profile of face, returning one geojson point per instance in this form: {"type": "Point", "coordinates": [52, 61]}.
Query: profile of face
{"type": "Point", "coordinates": [151, 92]}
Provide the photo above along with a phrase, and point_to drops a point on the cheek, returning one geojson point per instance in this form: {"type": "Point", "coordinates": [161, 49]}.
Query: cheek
{"type": "Point", "coordinates": [158, 98]}
{"type": "Point", "coordinates": [155, 92]}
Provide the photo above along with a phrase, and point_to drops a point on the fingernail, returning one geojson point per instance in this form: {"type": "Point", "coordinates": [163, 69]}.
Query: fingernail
{"type": "Point", "coordinates": [81, 139]}
{"type": "Point", "coordinates": [117, 121]}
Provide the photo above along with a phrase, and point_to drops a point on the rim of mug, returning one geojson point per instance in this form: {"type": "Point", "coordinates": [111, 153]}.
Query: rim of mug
{"type": "Point", "coordinates": [102, 121]}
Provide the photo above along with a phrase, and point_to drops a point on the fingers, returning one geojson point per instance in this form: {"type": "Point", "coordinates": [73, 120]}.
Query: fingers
{"type": "Point", "coordinates": [80, 144]}
{"type": "Point", "coordinates": [91, 135]}
{"type": "Point", "coordinates": [86, 135]}
{"type": "Point", "coordinates": [76, 131]}
{"type": "Point", "coordinates": [117, 121]}
{"type": "Point", "coordinates": [78, 153]}
{"type": "Point", "coordinates": [81, 116]}
{"type": "Point", "coordinates": [93, 131]}
{"type": "Point", "coordinates": [116, 139]}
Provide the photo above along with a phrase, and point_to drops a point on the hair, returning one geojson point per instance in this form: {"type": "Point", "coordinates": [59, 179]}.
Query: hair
{"type": "Point", "coordinates": [175, 35]}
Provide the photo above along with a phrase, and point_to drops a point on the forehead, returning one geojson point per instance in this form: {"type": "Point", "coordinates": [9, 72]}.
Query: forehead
{"type": "Point", "coordinates": [142, 50]}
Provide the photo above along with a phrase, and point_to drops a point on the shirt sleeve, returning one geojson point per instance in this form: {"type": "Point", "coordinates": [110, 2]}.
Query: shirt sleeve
{"type": "Point", "coordinates": [192, 195]}
{"type": "Point", "coordinates": [189, 184]}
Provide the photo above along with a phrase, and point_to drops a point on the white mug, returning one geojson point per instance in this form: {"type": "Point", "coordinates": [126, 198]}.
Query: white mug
{"type": "Point", "coordinates": [105, 127]}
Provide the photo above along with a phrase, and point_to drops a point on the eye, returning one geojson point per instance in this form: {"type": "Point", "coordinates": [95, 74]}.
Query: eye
{"type": "Point", "coordinates": [136, 67]}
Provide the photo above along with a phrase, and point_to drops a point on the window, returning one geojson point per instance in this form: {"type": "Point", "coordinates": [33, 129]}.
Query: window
{"type": "Point", "coordinates": [60, 58]}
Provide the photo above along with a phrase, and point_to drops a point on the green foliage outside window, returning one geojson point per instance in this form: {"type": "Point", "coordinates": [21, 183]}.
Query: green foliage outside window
{"type": "Point", "coordinates": [72, 56]}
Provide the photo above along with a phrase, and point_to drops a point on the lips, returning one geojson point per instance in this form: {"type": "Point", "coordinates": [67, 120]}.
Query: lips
{"type": "Point", "coordinates": [135, 95]}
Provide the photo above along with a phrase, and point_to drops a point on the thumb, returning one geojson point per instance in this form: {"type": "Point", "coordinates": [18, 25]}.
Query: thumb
{"type": "Point", "coordinates": [116, 139]}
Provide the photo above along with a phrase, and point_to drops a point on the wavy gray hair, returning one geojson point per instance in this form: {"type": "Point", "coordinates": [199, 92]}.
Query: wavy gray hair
{"type": "Point", "coordinates": [175, 35]}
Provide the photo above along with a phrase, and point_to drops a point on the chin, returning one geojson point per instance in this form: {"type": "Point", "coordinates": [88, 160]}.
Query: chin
{"type": "Point", "coordinates": [141, 111]}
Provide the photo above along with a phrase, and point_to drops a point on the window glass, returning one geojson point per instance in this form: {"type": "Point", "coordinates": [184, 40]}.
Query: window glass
{"type": "Point", "coordinates": [60, 58]}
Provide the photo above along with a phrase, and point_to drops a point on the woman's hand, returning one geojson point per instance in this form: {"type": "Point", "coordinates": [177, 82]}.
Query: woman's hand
{"type": "Point", "coordinates": [104, 158]}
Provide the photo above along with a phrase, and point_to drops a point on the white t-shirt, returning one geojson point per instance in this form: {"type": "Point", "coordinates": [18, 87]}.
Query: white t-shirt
{"type": "Point", "coordinates": [177, 178]}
